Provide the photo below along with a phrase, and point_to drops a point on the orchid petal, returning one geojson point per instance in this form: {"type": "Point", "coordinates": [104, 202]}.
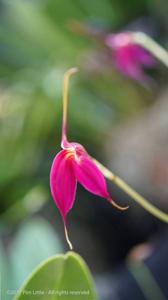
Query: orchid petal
{"type": "Point", "coordinates": [128, 63]}
{"type": "Point", "coordinates": [63, 182]}
{"type": "Point", "coordinates": [92, 179]}
{"type": "Point", "coordinates": [89, 176]}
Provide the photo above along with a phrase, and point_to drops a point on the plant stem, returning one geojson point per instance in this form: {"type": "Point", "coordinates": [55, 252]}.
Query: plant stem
{"type": "Point", "coordinates": [153, 47]}
{"type": "Point", "coordinates": [132, 193]}
{"type": "Point", "coordinates": [145, 280]}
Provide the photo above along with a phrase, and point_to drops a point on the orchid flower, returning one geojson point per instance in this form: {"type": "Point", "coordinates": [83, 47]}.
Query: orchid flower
{"type": "Point", "coordinates": [73, 165]}
{"type": "Point", "coordinates": [129, 57]}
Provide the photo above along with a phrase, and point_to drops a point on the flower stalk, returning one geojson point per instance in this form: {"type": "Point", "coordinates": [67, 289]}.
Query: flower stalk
{"type": "Point", "coordinates": [153, 210]}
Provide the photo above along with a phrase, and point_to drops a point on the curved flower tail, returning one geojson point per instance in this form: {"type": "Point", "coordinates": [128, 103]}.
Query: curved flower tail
{"type": "Point", "coordinates": [64, 142]}
{"type": "Point", "coordinates": [122, 208]}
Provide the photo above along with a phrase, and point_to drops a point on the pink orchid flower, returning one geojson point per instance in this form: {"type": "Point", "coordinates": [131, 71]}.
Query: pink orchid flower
{"type": "Point", "coordinates": [129, 58]}
{"type": "Point", "coordinates": [71, 165]}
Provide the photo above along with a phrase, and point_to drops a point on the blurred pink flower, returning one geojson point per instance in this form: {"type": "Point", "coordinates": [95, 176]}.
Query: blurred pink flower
{"type": "Point", "coordinates": [72, 165]}
{"type": "Point", "coordinates": [128, 57]}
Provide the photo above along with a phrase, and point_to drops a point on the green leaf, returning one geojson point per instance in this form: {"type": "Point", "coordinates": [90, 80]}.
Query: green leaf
{"type": "Point", "coordinates": [65, 276]}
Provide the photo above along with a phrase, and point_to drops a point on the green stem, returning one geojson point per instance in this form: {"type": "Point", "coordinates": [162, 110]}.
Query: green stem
{"type": "Point", "coordinates": [132, 193]}
{"type": "Point", "coordinates": [153, 47]}
{"type": "Point", "coordinates": [146, 281]}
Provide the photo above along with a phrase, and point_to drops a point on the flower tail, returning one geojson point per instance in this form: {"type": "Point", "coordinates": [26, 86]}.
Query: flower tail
{"type": "Point", "coordinates": [64, 142]}
{"type": "Point", "coordinates": [67, 236]}
{"type": "Point", "coordinates": [122, 208]}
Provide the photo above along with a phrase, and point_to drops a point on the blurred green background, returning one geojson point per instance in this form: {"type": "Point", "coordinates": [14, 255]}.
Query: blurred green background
{"type": "Point", "coordinates": [37, 46]}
